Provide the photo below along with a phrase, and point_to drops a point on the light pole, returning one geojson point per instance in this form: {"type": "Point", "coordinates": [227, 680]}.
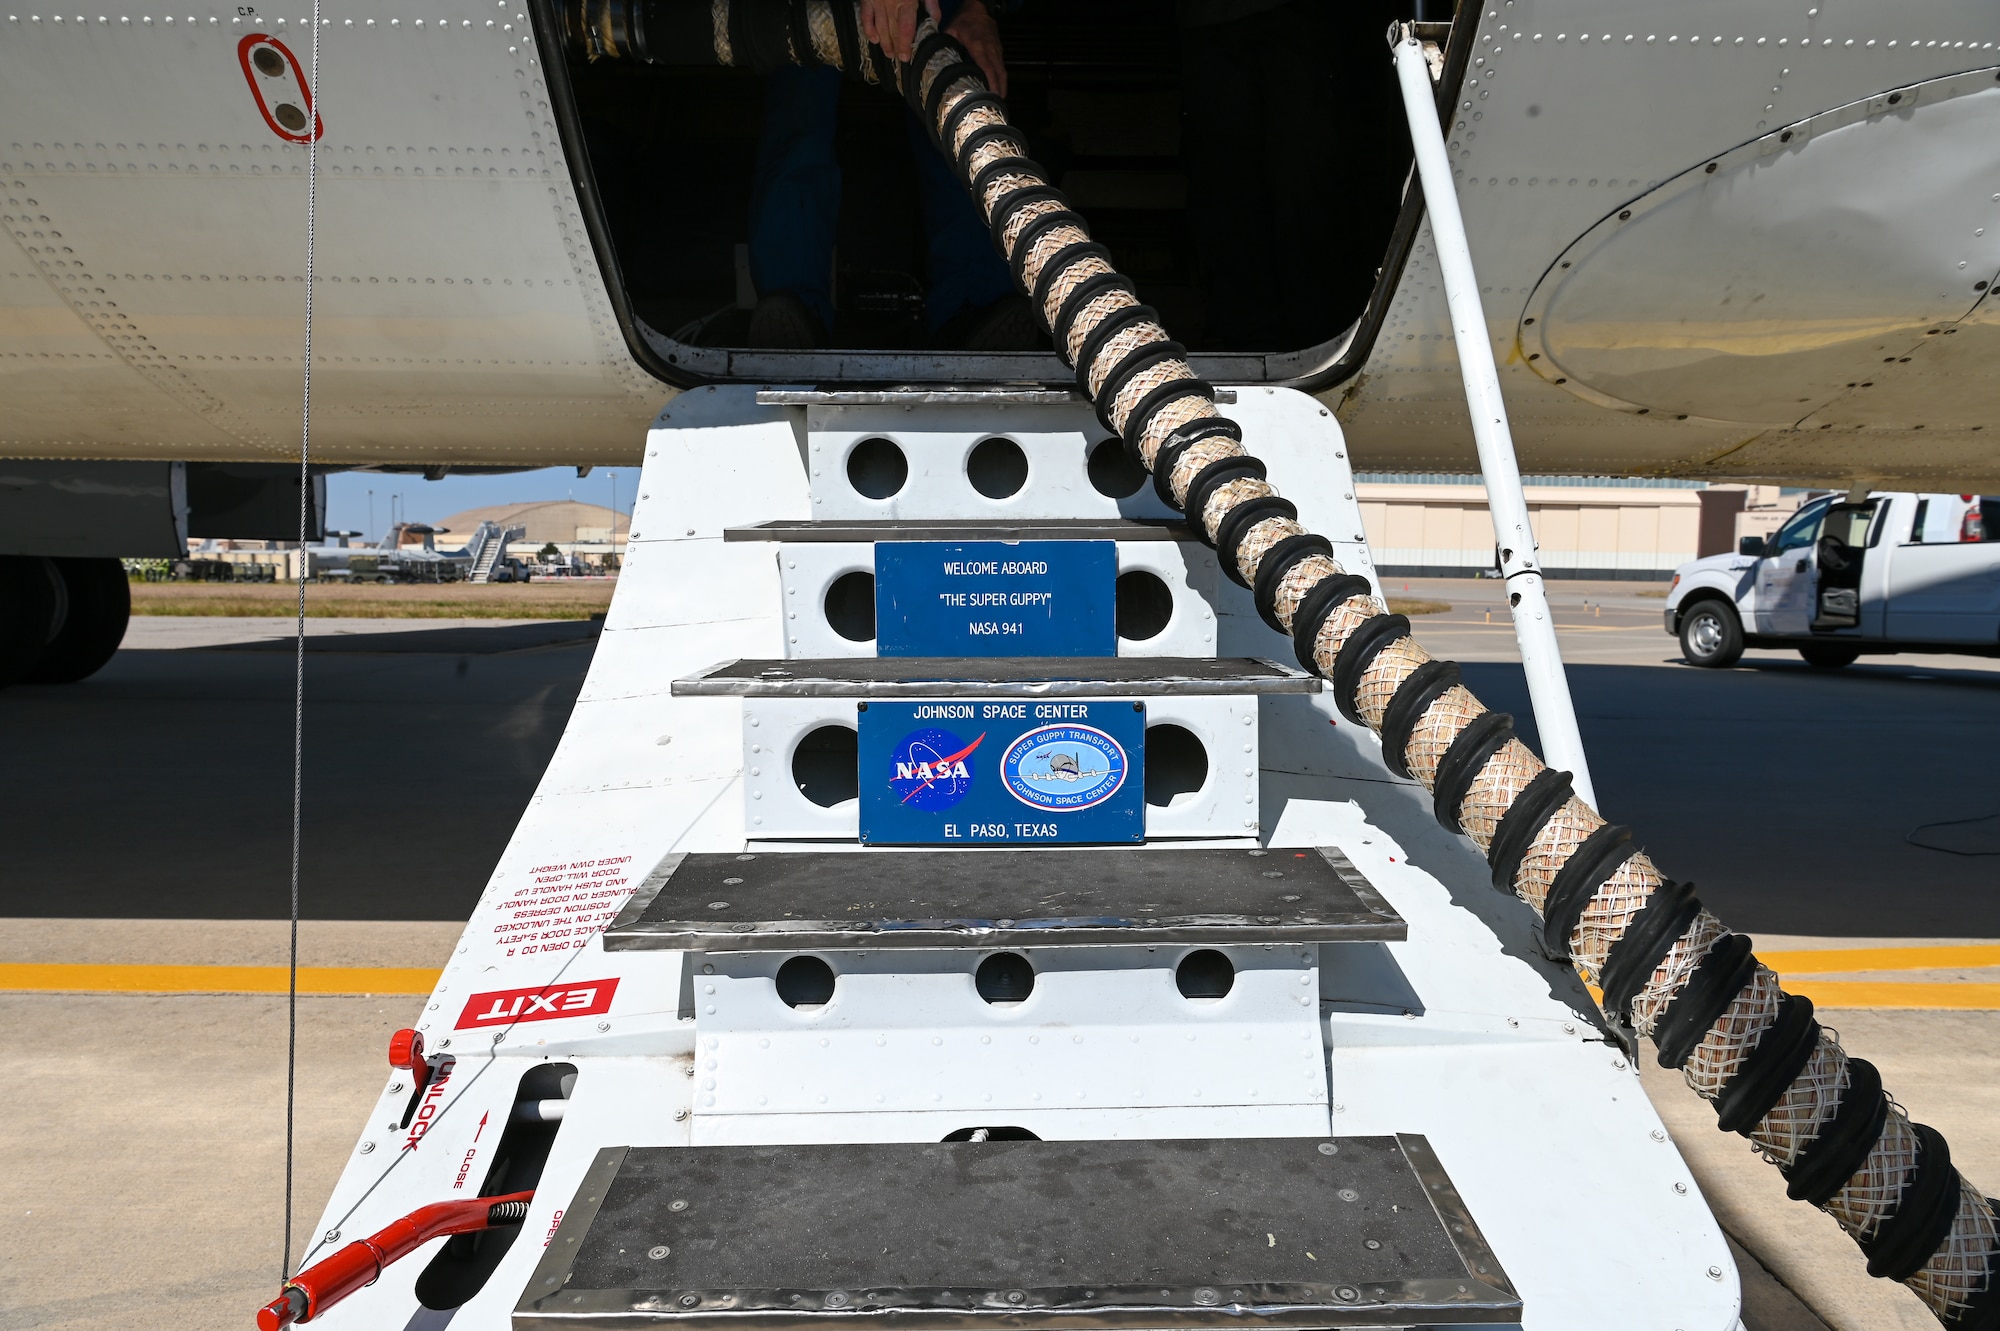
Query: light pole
{"type": "Point", "coordinates": [613, 477]}
{"type": "Point", "coordinates": [371, 513]}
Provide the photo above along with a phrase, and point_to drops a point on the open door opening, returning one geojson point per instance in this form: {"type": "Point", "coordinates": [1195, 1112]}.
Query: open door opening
{"type": "Point", "coordinates": [1246, 163]}
{"type": "Point", "coordinates": [1843, 545]}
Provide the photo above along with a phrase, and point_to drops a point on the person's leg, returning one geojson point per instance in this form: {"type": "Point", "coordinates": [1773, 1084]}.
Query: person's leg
{"type": "Point", "coordinates": [795, 197]}
{"type": "Point", "coordinates": [963, 273]}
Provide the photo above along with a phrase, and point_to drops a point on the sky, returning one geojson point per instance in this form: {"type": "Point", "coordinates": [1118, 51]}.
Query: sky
{"type": "Point", "coordinates": [415, 499]}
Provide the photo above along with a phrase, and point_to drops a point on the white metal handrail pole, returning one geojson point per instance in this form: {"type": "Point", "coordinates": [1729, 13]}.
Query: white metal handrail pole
{"type": "Point", "coordinates": [1534, 629]}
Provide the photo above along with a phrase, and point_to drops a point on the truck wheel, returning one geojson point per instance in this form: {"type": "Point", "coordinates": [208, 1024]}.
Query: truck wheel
{"type": "Point", "coordinates": [1826, 656]}
{"type": "Point", "coordinates": [1711, 634]}
{"type": "Point", "coordinates": [100, 607]}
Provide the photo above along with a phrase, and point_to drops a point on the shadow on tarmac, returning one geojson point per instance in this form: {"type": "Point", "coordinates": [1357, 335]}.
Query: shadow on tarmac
{"type": "Point", "coordinates": [162, 787]}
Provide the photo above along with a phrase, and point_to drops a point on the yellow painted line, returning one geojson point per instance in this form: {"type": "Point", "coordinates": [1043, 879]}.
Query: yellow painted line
{"type": "Point", "coordinates": [62, 977]}
{"type": "Point", "coordinates": [1892, 994]}
{"type": "Point", "coordinates": [1838, 961]}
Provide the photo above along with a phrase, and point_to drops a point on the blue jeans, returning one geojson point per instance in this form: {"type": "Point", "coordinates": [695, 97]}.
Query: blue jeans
{"type": "Point", "coordinates": [795, 206]}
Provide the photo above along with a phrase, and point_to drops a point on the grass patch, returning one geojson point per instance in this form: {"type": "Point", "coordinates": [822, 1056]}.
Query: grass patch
{"type": "Point", "coordinates": [555, 599]}
{"type": "Point", "coordinates": [1416, 605]}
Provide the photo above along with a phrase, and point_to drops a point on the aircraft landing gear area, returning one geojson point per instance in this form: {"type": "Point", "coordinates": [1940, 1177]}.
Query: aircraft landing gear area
{"type": "Point", "coordinates": [60, 618]}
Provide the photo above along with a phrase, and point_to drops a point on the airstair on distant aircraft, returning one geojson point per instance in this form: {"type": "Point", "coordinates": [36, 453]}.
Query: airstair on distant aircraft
{"type": "Point", "coordinates": [488, 548]}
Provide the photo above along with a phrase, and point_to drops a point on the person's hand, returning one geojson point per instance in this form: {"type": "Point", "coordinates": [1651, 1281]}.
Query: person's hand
{"type": "Point", "coordinates": [978, 33]}
{"type": "Point", "coordinates": [892, 24]}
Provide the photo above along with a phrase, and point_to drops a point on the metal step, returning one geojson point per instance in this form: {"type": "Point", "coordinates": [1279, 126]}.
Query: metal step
{"type": "Point", "coordinates": [965, 529]}
{"type": "Point", "coordinates": [1004, 898]}
{"type": "Point", "coordinates": [1108, 1235]}
{"type": "Point", "coordinates": [997, 677]}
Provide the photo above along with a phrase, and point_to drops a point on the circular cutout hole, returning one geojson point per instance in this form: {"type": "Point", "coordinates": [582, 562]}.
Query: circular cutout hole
{"type": "Point", "coordinates": [850, 606]}
{"type": "Point", "coordinates": [1176, 763]}
{"type": "Point", "coordinates": [1005, 977]}
{"type": "Point", "coordinates": [1143, 605]}
{"type": "Point", "coordinates": [877, 468]}
{"type": "Point", "coordinates": [805, 982]}
{"type": "Point", "coordinates": [997, 468]}
{"type": "Point", "coordinates": [268, 62]}
{"type": "Point", "coordinates": [1113, 473]}
{"type": "Point", "coordinates": [1204, 974]}
{"type": "Point", "coordinates": [290, 117]}
{"type": "Point", "coordinates": [992, 1135]}
{"type": "Point", "coordinates": [826, 766]}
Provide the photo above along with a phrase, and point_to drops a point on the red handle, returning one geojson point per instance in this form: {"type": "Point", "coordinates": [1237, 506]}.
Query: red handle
{"type": "Point", "coordinates": [358, 1265]}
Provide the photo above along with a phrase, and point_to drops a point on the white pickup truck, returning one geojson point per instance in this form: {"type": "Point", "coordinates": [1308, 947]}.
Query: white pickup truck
{"type": "Point", "coordinates": [1896, 572]}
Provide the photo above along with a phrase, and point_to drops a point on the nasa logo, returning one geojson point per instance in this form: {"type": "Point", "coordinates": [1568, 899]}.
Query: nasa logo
{"type": "Point", "coordinates": [932, 769]}
{"type": "Point", "coordinates": [1063, 768]}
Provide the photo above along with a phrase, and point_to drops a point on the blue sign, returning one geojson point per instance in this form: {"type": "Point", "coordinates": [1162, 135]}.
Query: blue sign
{"type": "Point", "coordinates": [1010, 772]}
{"type": "Point", "coordinates": [996, 598]}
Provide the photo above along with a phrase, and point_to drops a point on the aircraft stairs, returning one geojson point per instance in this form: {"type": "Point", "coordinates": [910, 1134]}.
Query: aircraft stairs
{"type": "Point", "coordinates": [1071, 987]}
{"type": "Point", "coordinates": [489, 547]}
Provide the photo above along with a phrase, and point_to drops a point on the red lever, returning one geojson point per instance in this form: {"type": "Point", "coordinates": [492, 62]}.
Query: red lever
{"type": "Point", "coordinates": [358, 1265]}
{"type": "Point", "coordinates": [406, 1050]}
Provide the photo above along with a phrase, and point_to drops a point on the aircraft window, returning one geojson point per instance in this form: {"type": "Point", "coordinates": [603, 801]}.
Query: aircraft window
{"type": "Point", "coordinates": [1801, 531]}
{"type": "Point", "coordinates": [1247, 174]}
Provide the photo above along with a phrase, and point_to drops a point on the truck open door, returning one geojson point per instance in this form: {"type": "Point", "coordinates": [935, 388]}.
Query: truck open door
{"type": "Point", "coordinates": [1842, 547]}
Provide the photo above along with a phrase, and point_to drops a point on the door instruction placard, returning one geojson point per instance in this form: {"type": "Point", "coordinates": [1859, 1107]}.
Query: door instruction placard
{"type": "Point", "coordinates": [996, 598]}
{"type": "Point", "coordinates": [1002, 772]}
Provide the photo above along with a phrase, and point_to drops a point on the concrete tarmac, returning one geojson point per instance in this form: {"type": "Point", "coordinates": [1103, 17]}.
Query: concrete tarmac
{"type": "Point", "coordinates": [146, 815]}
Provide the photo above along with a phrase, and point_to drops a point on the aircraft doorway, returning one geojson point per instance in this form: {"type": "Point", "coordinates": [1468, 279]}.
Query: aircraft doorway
{"type": "Point", "coordinates": [1247, 172]}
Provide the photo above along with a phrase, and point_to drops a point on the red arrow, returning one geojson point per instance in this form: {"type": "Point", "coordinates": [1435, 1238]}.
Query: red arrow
{"type": "Point", "coordinates": [482, 1125]}
{"type": "Point", "coordinates": [946, 763]}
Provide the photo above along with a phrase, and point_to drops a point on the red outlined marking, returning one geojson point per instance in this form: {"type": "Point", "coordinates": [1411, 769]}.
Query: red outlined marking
{"type": "Point", "coordinates": [583, 998]}
{"type": "Point", "coordinates": [245, 49]}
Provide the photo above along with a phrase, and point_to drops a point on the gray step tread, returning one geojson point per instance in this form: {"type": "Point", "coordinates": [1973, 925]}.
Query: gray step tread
{"type": "Point", "coordinates": [964, 529]}
{"type": "Point", "coordinates": [997, 677]}
{"type": "Point", "coordinates": [1073, 1234]}
{"type": "Point", "coordinates": [791, 901]}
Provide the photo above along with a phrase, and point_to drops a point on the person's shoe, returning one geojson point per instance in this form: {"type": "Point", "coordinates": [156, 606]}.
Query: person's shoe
{"type": "Point", "coordinates": [1008, 324]}
{"type": "Point", "coordinates": [782, 322]}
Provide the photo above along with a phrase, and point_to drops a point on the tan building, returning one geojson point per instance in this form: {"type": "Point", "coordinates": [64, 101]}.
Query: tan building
{"type": "Point", "coordinates": [590, 531]}
{"type": "Point", "coordinates": [1588, 528]}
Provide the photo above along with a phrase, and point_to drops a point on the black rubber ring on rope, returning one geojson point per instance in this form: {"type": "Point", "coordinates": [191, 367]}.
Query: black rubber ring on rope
{"type": "Point", "coordinates": [1219, 472]}
{"type": "Point", "coordinates": [1369, 637]}
{"type": "Point", "coordinates": [913, 69]}
{"type": "Point", "coordinates": [961, 156]}
{"type": "Point", "coordinates": [1588, 868]}
{"type": "Point", "coordinates": [1016, 199]}
{"type": "Point", "coordinates": [1236, 525]}
{"type": "Point", "coordinates": [1033, 232]}
{"type": "Point", "coordinates": [1070, 254]}
{"type": "Point", "coordinates": [1841, 1146]}
{"type": "Point", "coordinates": [1317, 606]}
{"type": "Point", "coordinates": [1151, 403]}
{"type": "Point", "coordinates": [965, 107]}
{"type": "Point", "coordinates": [803, 53]}
{"type": "Point", "coordinates": [1711, 987]}
{"type": "Point", "coordinates": [1649, 935]}
{"type": "Point", "coordinates": [1073, 304]}
{"type": "Point", "coordinates": [1770, 1068]}
{"type": "Point", "coordinates": [1107, 328]}
{"type": "Point", "coordinates": [951, 74]}
{"type": "Point", "coordinates": [1902, 1243]}
{"type": "Point", "coordinates": [1276, 564]}
{"type": "Point", "coordinates": [1020, 166]}
{"type": "Point", "coordinates": [847, 32]}
{"type": "Point", "coordinates": [1179, 442]}
{"type": "Point", "coordinates": [1547, 791]}
{"type": "Point", "coordinates": [1143, 357]}
{"type": "Point", "coordinates": [1463, 761]}
{"type": "Point", "coordinates": [1419, 689]}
